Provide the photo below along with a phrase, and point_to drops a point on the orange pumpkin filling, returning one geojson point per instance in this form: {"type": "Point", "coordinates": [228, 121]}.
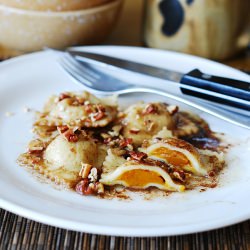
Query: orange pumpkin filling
{"type": "Point", "coordinates": [173, 157]}
{"type": "Point", "coordinates": [140, 178]}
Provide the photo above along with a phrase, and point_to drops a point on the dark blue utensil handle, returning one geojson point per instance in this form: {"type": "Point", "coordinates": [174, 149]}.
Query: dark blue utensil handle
{"type": "Point", "coordinates": [225, 86]}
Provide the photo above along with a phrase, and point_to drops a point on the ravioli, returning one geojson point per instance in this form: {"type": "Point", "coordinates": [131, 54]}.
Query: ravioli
{"type": "Point", "coordinates": [61, 160]}
{"type": "Point", "coordinates": [70, 155]}
{"type": "Point", "coordinates": [82, 110]}
{"type": "Point", "coordinates": [142, 121]}
{"type": "Point", "coordinates": [136, 175]}
{"type": "Point", "coordinates": [178, 153]}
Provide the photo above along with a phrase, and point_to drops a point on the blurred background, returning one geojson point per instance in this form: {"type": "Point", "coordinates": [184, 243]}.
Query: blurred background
{"type": "Point", "coordinates": [218, 30]}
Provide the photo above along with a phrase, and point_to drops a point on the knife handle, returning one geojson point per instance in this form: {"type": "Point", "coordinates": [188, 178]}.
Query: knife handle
{"type": "Point", "coordinates": [225, 86]}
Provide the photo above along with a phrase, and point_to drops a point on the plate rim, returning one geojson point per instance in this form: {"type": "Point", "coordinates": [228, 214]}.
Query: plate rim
{"type": "Point", "coordinates": [119, 231]}
{"type": "Point", "coordinates": [26, 56]}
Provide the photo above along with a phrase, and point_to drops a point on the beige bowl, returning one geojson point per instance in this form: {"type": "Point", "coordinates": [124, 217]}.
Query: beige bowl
{"type": "Point", "coordinates": [27, 31]}
{"type": "Point", "coordinates": [53, 5]}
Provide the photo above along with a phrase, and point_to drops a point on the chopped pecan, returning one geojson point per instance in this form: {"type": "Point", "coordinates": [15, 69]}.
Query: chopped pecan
{"type": "Point", "coordinates": [99, 188]}
{"type": "Point", "coordinates": [113, 133]}
{"type": "Point", "coordinates": [156, 139]}
{"type": "Point", "coordinates": [172, 109]}
{"type": "Point", "coordinates": [87, 120]}
{"type": "Point", "coordinates": [115, 130]}
{"type": "Point", "coordinates": [80, 100]}
{"type": "Point", "coordinates": [213, 185]}
{"type": "Point", "coordinates": [138, 156]}
{"type": "Point", "coordinates": [125, 142]}
{"type": "Point", "coordinates": [88, 108]}
{"type": "Point", "coordinates": [211, 173]}
{"type": "Point", "coordinates": [62, 129]}
{"type": "Point", "coordinates": [82, 132]}
{"type": "Point", "coordinates": [76, 130]}
{"type": "Point", "coordinates": [85, 187]}
{"type": "Point", "coordinates": [70, 136]}
{"type": "Point", "coordinates": [145, 144]}
{"type": "Point", "coordinates": [36, 150]}
{"type": "Point", "coordinates": [85, 170]}
{"type": "Point", "coordinates": [107, 140]}
{"type": "Point", "coordinates": [63, 96]}
{"type": "Point", "coordinates": [93, 175]}
{"type": "Point", "coordinates": [150, 109]}
{"type": "Point", "coordinates": [121, 115]}
{"type": "Point", "coordinates": [98, 116]}
{"type": "Point", "coordinates": [36, 160]}
{"type": "Point", "coordinates": [73, 150]}
{"type": "Point", "coordinates": [100, 108]}
{"type": "Point", "coordinates": [36, 147]}
{"type": "Point", "coordinates": [134, 131]}
{"type": "Point", "coordinates": [180, 175]}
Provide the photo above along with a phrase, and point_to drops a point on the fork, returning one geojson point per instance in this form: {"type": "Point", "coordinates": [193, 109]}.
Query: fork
{"type": "Point", "coordinates": [103, 83]}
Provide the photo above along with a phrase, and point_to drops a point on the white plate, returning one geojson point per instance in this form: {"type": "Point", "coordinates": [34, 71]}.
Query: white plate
{"type": "Point", "coordinates": [29, 80]}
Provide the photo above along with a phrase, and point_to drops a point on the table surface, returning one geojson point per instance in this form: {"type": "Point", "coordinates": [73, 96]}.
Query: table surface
{"type": "Point", "coordinates": [20, 233]}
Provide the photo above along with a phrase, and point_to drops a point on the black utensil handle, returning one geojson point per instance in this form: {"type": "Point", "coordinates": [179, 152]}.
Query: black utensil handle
{"type": "Point", "coordinates": [222, 85]}
{"type": "Point", "coordinates": [225, 86]}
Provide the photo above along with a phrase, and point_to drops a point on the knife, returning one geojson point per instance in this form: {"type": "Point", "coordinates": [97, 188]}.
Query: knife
{"type": "Point", "coordinates": [195, 78]}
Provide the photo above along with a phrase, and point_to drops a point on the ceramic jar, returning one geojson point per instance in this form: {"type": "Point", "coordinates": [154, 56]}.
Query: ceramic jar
{"type": "Point", "coordinates": [215, 29]}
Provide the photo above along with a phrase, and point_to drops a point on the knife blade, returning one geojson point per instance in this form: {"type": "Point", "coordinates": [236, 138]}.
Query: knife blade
{"type": "Point", "coordinates": [195, 78]}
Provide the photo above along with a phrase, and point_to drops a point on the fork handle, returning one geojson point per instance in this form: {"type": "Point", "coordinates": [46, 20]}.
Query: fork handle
{"type": "Point", "coordinates": [225, 86]}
